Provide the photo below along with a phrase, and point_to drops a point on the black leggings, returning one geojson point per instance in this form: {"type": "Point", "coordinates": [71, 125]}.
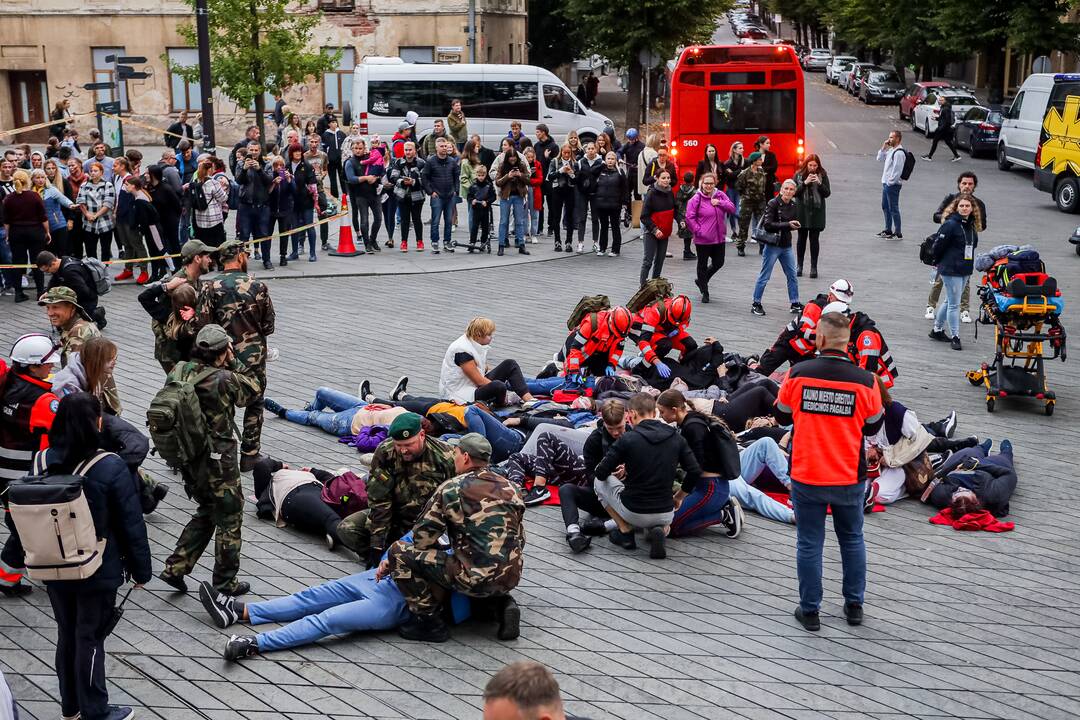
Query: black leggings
{"type": "Point", "coordinates": [363, 205]}
{"type": "Point", "coordinates": [575, 497]}
{"type": "Point", "coordinates": [410, 217]}
{"type": "Point", "coordinates": [710, 258]}
{"type": "Point", "coordinates": [800, 245]}
{"type": "Point", "coordinates": [747, 402]}
{"type": "Point", "coordinates": [504, 376]}
{"type": "Point", "coordinates": [562, 205]}
{"type": "Point", "coordinates": [610, 219]}
{"type": "Point", "coordinates": [303, 507]}
{"type": "Point", "coordinates": [481, 225]}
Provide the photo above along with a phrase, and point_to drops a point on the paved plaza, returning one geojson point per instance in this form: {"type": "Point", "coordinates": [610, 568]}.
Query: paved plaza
{"type": "Point", "coordinates": [968, 625]}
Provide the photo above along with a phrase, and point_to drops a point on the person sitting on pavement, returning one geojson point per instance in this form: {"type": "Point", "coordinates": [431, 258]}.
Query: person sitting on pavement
{"type": "Point", "coordinates": [465, 375]}
{"type": "Point", "coordinates": [554, 463]}
{"type": "Point", "coordinates": [796, 341]}
{"type": "Point", "coordinates": [470, 538]}
{"type": "Point", "coordinates": [658, 329]}
{"type": "Point", "coordinates": [405, 470]}
{"type": "Point", "coordinates": [652, 451]}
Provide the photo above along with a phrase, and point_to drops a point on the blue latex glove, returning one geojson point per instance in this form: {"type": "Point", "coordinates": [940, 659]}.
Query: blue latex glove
{"type": "Point", "coordinates": [574, 379]}
{"type": "Point", "coordinates": [673, 333]}
{"type": "Point", "coordinates": [663, 369]}
{"type": "Point", "coordinates": [609, 371]}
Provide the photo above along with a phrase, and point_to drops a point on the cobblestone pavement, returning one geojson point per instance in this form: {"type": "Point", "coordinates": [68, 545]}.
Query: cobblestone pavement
{"type": "Point", "coordinates": [965, 625]}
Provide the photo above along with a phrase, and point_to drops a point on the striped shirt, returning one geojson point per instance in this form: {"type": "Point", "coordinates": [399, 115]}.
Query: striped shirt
{"type": "Point", "coordinates": [216, 199]}
{"type": "Point", "coordinates": [94, 196]}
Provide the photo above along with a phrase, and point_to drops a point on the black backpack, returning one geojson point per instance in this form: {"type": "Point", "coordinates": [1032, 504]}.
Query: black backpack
{"type": "Point", "coordinates": [909, 164]}
{"type": "Point", "coordinates": [926, 250]}
{"type": "Point", "coordinates": [198, 195]}
{"type": "Point", "coordinates": [727, 449]}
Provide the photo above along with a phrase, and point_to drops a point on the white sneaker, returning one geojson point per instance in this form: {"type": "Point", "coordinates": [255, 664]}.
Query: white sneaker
{"type": "Point", "coordinates": [580, 247]}
{"type": "Point", "coordinates": [25, 281]}
{"type": "Point", "coordinates": [599, 252]}
{"type": "Point", "coordinates": [929, 312]}
{"type": "Point", "coordinates": [535, 239]}
{"type": "Point", "coordinates": [965, 317]}
{"type": "Point", "coordinates": [272, 354]}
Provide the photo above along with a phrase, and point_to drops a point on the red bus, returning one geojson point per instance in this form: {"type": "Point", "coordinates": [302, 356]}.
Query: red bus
{"type": "Point", "coordinates": [724, 93]}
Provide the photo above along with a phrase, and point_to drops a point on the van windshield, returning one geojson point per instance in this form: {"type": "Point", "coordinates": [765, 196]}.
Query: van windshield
{"type": "Point", "coordinates": [1060, 92]}
{"type": "Point", "coordinates": [499, 99]}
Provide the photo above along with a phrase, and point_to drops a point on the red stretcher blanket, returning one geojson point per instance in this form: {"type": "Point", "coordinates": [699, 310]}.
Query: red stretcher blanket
{"type": "Point", "coordinates": [785, 498]}
{"type": "Point", "coordinates": [981, 520]}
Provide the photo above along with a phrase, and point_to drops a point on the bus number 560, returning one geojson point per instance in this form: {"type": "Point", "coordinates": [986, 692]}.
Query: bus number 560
{"type": "Point", "coordinates": [689, 143]}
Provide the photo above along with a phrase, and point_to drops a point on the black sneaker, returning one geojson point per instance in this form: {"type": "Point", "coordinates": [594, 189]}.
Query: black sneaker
{"type": "Point", "coordinates": [624, 540]}
{"type": "Point", "coordinates": [240, 588]}
{"type": "Point", "coordinates": [239, 647]}
{"type": "Point", "coordinates": [19, 589]}
{"type": "Point", "coordinates": [425, 628]}
{"type": "Point", "coordinates": [274, 407]}
{"type": "Point", "coordinates": [509, 617]}
{"type": "Point", "coordinates": [536, 495]}
{"type": "Point", "coordinates": [796, 308]}
{"type": "Point", "coordinates": [853, 612]}
{"type": "Point", "coordinates": [365, 390]}
{"type": "Point", "coordinates": [523, 251]}
{"type": "Point", "coordinates": [809, 620]}
{"type": "Point", "coordinates": [741, 251]}
{"type": "Point", "coordinates": [578, 542]}
{"type": "Point", "coordinates": [948, 425]}
{"type": "Point", "coordinates": [885, 234]}
{"type": "Point", "coordinates": [655, 536]}
{"type": "Point", "coordinates": [220, 607]}
{"type": "Point", "coordinates": [267, 265]}
{"type": "Point", "coordinates": [758, 309]}
{"type": "Point", "coordinates": [176, 582]}
{"type": "Point", "coordinates": [898, 236]}
{"type": "Point", "coordinates": [400, 388]}
{"type": "Point", "coordinates": [118, 712]}
{"type": "Point", "coordinates": [955, 343]}
{"type": "Point", "coordinates": [594, 527]}
{"type": "Point", "coordinates": [938, 335]}
{"type": "Point", "coordinates": [731, 515]}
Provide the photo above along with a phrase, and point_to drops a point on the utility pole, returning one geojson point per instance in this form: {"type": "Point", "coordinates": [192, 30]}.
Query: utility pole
{"type": "Point", "coordinates": [206, 90]}
{"type": "Point", "coordinates": [472, 31]}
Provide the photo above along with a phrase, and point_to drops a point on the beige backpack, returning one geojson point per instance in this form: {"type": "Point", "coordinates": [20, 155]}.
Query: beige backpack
{"type": "Point", "coordinates": [54, 522]}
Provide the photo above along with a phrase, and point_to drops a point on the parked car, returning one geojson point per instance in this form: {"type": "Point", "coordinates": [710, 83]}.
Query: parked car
{"type": "Point", "coordinates": [752, 32]}
{"type": "Point", "coordinates": [916, 95]}
{"type": "Point", "coordinates": [979, 129]}
{"type": "Point", "coordinates": [926, 115]}
{"type": "Point", "coordinates": [838, 63]}
{"type": "Point", "coordinates": [817, 59]}
{"type": "Point", "coordinates": [852, 82]}
{"type": "Point", "coordinates": [881, 86]}
{"type": "Point", "coordinates": [1023, 121]}
{"type": "Point", "coordinates": [859, 81]}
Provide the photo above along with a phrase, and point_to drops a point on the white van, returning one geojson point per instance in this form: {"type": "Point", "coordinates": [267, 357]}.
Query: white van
{"type": "Point", "coordinates": [1022, 123]}
{"type": "Point", "coordinates": [384, 89]}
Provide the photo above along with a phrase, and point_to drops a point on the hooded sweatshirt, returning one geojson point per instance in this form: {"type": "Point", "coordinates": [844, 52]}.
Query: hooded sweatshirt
{"type": "Point", "coordinates": [651, 451]}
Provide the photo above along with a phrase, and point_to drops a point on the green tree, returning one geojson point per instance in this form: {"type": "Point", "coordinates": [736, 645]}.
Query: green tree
{"type": "Point", "coordinates": [551, 35]}
{"type": "Point", "coordinates": [257, 46]}
{"type": "Point", "coordinates": [620, 31]}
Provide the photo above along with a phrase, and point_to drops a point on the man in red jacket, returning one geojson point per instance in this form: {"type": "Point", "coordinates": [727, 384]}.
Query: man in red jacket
{"type": "Point", "coordinates": [832, 405]}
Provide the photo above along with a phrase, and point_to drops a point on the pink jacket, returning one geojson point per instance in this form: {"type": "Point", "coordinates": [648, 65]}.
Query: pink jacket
{"type": "Point", "coordinates": [706, 219]}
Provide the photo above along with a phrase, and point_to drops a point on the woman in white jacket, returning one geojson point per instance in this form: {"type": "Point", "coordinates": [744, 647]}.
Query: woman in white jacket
{"type": "Point", "coordinates": [465, 376]}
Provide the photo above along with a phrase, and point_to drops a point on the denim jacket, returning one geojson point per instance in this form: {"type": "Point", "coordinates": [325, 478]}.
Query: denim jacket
{"type": "Point", "coordinates": [55, 204]}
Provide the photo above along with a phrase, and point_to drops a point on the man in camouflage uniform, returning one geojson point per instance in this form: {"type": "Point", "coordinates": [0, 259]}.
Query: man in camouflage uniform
{"type": "Point", "coordinates": [75, 327]}
{"type": "Point", "coordinates": [752, 197]}
{"type": "Point", "coordinates": [241, 304]}
{"type": "Point", "coordinates": [195, 261]}
{"type": "Point", "coordinates": [215, 484]}
{"type": "Point", "coordinates": [405, 470]}
{"type": "Point", "coordinates": [469, 538]}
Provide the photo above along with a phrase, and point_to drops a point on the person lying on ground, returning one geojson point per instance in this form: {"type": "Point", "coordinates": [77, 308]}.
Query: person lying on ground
{"type": "Point", "coordinates": [465, 376]}
{"type": "Point", "coordinates": [991, 479]}
{"type": "Point", "coordinates": [298, 497]}
{"type": "Point", "coordinates": [337, 413]}
{"type": "Point", "coordinates": [651, 451]}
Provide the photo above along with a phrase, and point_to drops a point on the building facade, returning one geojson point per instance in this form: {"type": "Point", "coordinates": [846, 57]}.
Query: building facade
{"type": "Point", "coordinates": [49, 49]}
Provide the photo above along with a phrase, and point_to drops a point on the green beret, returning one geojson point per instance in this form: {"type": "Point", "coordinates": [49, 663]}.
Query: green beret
{"type": "Point", "coordinates": [755, 156]}
{"type": "Point", "coordinates": [405, 426]}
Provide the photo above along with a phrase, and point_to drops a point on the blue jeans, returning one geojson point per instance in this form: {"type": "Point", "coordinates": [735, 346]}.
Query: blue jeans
{"type": "Point", "coordinates": [733, 218]}
{"type": "Point", "coordinates": [533, 213]}
{"type": "Point", "coordinates": [353, 603]}
{"type": "Point", "coordinates": [750, 497]}
{"type": "Point", "coordinates": [950, 309]}
{"type": "Point", "coordinates": [299, 219]}
{"type": "Point", "coordinates": [701, 508]}
{"type": "Point", "coordinates": [786, 256]}
{"type": "Point", "coordinates": [441, 207]}
{"type": "Point", "coordinates": [252, 221]}
{"type": "Point", "coordinates": [764, 453]}
{"type": "Point", "coordinates": [515, 204]}
{"type": "Point", "coordinates": [546, 386]}
{"type": "Point", "coordinates": [504, 441]}
{"type": "Point", "coordinates": [890, 206]}
{"type": "Point", "coordinates": [338, 421]}
{"type": "Point", "coordinates": [811, 502]}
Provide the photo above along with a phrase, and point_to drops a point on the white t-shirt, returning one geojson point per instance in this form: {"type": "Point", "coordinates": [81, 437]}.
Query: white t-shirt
{"type": "Point", "coordinates": [453, 383]}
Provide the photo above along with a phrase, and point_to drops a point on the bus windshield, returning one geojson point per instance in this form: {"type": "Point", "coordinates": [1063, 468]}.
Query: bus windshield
{"type": "Point", "coordinates": [756, 111]}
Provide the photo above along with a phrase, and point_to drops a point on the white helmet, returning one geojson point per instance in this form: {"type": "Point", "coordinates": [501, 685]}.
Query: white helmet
{"type": "Point", "coordinates": [837, 307]}
{"type": "Point", "coordinates": [35, 349]}
{"type": "Point", "coordinates": [842, 290]}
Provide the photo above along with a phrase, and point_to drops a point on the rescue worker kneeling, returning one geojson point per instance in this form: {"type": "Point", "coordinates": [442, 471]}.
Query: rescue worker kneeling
{"type": "Point", "coordinates": [594, 348]}
{"type": "Point", "coordinates": [659, 329]}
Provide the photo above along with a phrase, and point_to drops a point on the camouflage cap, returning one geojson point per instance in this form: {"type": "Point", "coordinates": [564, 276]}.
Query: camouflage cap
{"type": "Point", "coordinates": [59, 294]}
{"type": "Point", "coordinates": [231, 248]}
{"type": "Point", "coordinates": [405, 426]}
{"type": "Point", "coordinates": [194, 247]}
{"type": "Point", "coordinates": [212, 337]}
{"type": "Point", "coordinates": [474, 445]}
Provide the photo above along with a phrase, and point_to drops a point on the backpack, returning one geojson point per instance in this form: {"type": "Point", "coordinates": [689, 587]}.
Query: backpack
{"type": "Point", "coordinates": [909, 165]}
{"type": "Point", "coordinates": [177, 425]}
{"type": "Point", "coordinates": [99, 274]}
{"type": "Point", "coordinates": [727, 449]}
{"type": "Point", "coordinates": [346, 494]}
{"type": "Point", "coordinates": [55, 524]}
{"type": "Point", "coordinates": [926, 250]}
{"type": "Point", "coordinates": [587, 304]}
{"type": "Point", "coordinates": [198, 196]}
{"type": "Point", "coordinates": [652, 291]}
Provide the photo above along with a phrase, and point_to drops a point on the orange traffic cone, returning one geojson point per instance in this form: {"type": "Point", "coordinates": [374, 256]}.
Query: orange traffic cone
{"type": "Point", "coordinates": [345, 202]}
{"type": "Point", "coordinates": [345, 247]}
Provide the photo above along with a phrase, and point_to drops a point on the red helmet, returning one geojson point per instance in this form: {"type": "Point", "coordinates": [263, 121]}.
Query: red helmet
{"type": "Point", "coordinates": [679, 309]}
{"type": "Point", "coordinates": [619, 320]}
